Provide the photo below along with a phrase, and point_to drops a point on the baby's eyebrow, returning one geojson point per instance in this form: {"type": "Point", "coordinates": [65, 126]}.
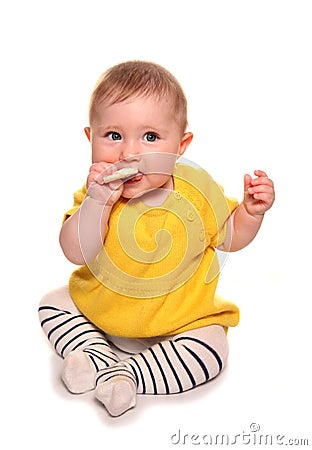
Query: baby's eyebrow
{"type": "Point", "coordinates": [154, 128]}
{"type": "Point", "coordinates": [102, 128]}
{"type": "Point", "coordinates": [144, 128]}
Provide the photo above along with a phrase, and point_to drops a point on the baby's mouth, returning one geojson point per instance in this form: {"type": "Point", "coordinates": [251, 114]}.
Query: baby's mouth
{"type": "Point", "coordinates": [135, 178]}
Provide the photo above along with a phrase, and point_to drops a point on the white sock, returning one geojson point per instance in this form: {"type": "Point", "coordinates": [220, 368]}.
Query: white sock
{"type": "Point", "coordinates": [81, 365]}
{"type": "Point", "coordinates": [116, 389]}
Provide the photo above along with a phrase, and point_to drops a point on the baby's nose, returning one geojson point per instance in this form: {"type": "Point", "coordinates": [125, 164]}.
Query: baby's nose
{"type": "Point", "coordinates": [129, 152]}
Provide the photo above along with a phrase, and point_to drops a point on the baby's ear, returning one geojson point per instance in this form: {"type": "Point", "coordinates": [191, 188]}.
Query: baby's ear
{"type": "Point", "coordinates": [87, 132]}
{"type": "Point", "coordinates": [185, 142]}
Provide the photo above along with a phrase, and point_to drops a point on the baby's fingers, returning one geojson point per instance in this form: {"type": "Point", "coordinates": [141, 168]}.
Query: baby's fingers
{"type": "Point", "coordinates": [263, 194]}
{"type": "Point", "coordinates": [260, 188]}
{"type": "Point", "coordinates": [95, 171]}
{"type": "Point", "coordinates": [100, 179]}
{"type": "Point", "coordinates": [260, 173]}
{"type": "Point", "coordinates": [261, 184]}
{"type": "Point", "coordinates": [262, 180]}
{"type": "Point", "coordinates": [92, 177]}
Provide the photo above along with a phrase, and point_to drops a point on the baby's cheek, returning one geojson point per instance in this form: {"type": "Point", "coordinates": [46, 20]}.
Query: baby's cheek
{"type": "Point", "coordinates": [158, 163]}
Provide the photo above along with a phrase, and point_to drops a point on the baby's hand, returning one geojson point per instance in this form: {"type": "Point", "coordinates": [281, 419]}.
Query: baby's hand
{"type": "Point", "coordinates": [259, 193]}
{"type": "Point", "coordinates": [107, 193]}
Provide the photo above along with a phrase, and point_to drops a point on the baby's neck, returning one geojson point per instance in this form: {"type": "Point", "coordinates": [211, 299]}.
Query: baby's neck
{"type": "Point", "coordinates": [156, 197]}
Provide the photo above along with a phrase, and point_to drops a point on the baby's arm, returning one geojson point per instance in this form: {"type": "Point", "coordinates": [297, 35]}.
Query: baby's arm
{"type": "Point", "coordinates": [246, 220]}
{"type": "Point", "coordinates": [82, 234]}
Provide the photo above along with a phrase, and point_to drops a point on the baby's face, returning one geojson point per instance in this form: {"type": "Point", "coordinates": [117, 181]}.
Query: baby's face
{"type": "Point", "coordinates": [141, 133]}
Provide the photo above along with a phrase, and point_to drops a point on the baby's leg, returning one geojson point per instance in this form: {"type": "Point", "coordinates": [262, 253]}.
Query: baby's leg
{"type": "Point", "coordinates": [83, 346]}
{"type": "Point", "coordinates": [174, 365]}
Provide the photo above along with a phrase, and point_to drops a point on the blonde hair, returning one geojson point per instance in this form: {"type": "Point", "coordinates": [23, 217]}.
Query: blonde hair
{"type": "Point", "coordinates": [139, 79]}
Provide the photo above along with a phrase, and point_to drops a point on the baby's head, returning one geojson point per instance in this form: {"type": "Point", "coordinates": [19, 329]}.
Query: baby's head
{"type": "Point", "coordinates": [139, 79]}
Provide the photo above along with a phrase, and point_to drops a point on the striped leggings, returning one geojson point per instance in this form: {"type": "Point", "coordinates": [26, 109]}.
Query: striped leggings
{"type": "Point", "coordinates": [162, 365]}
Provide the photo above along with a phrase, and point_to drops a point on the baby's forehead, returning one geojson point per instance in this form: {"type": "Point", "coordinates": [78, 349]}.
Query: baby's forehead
{"type": "Point", "coordinates": [159, 107]}
{"type": "Point", "coordinates": [153, 98]}
{"type": "Point", "coordinates": [164, 103]}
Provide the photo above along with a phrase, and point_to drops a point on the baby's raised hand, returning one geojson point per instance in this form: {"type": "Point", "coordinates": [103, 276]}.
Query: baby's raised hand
{"type": "Point", "coordinates": [105, 193]}
{"type": "Point", "coordinates": [259, 193]}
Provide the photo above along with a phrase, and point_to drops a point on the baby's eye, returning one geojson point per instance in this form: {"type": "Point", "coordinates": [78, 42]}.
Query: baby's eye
{"type": "Point", "coordinates": [114, 136]}
{"type": "Point", "coordinates": [150, 137]}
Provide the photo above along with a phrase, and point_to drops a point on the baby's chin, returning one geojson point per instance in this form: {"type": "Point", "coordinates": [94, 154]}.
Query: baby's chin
{"type": "Point", "coordinates": [154, 197]}
{"type": "Point", "coordinates": [131, 194]}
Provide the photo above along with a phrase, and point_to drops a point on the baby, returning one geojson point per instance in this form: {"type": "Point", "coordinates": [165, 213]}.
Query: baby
{"type": "Point", "coordinates": [143, 231]}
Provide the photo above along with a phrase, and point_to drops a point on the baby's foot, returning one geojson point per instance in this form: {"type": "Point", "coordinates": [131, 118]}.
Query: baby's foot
{"type": "Point", "coordinates": [78, 372]}
{"type": "Point", "coordinates": [81, 365]}
{"type": "Point", "coordinates": [116, 389]}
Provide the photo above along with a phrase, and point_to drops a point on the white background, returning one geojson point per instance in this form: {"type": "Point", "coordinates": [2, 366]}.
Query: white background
{"type": "Point", "coordinates": [246, 69]}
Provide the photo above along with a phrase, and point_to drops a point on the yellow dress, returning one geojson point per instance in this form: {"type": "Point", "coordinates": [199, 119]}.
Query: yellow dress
{"type": "Point", "coordinates": [157, 272]}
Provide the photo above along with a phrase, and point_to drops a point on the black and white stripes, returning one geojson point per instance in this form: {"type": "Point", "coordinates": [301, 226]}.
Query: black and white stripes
{"type": "Point", "coordinates": [67, 331]}
{"type": "Point", "coordinates": [174, 365]}
{"type": "Point", "coordinates": [83, 347]}
{"type": "Point", "coordinates": [166, 366]}
{"type": "Point", "coordinates": [100, 353]}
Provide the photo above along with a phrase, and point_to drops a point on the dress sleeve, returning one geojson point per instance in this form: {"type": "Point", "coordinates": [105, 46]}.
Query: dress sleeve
{"type": "Point", "coordinates": [79, 197]}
